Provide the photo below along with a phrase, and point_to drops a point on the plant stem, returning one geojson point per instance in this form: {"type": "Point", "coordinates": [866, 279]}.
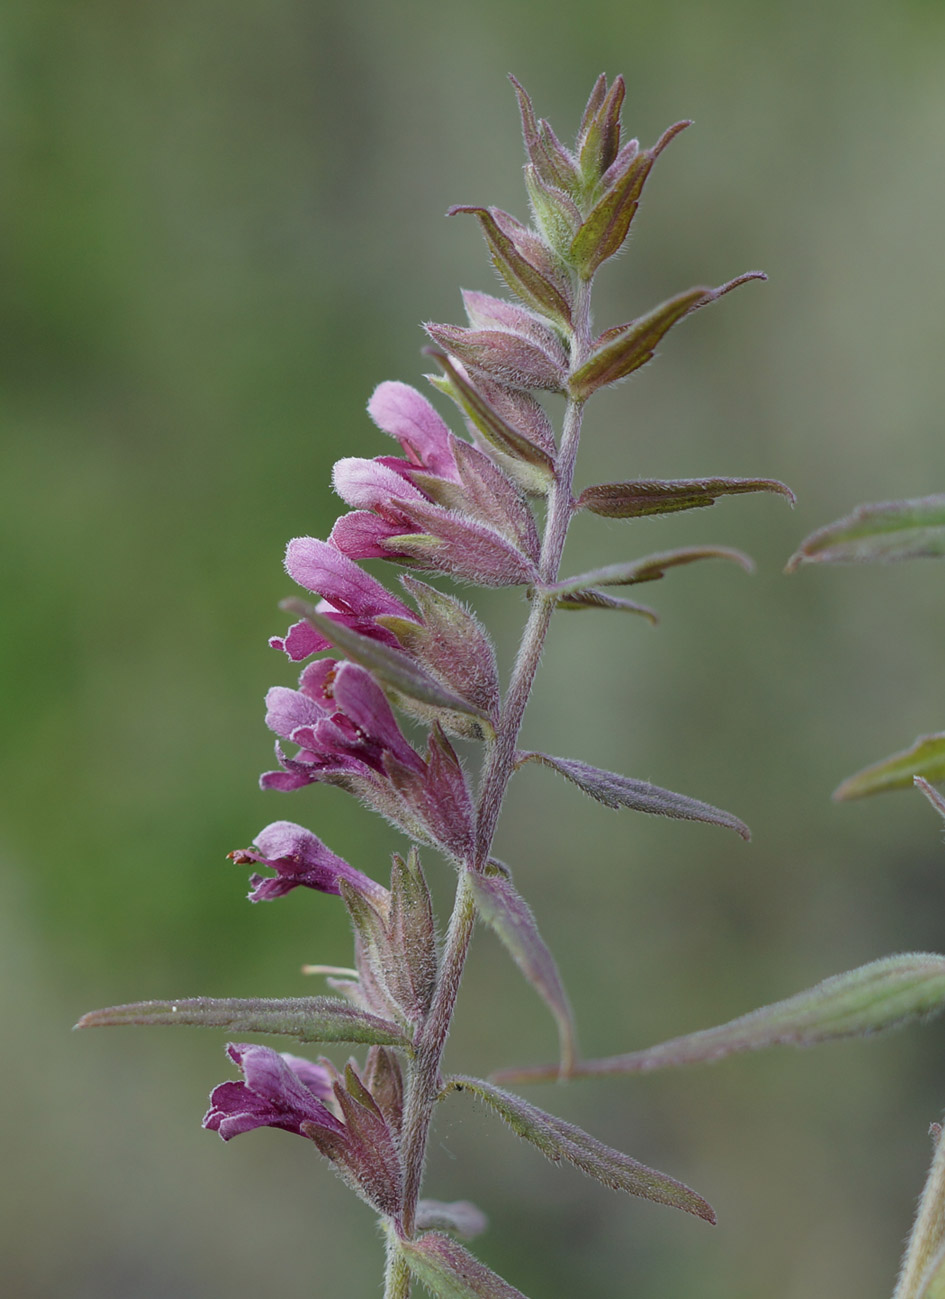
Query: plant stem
{"type": "Point", "coordinates": [397, 1277]}
{"type": "Point", "coordinates": [423, 1077]}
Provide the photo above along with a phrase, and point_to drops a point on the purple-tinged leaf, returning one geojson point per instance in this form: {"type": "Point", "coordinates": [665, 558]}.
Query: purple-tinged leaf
{"type": "Point", "coordinates": [452, 543]}
{"type": "Point", "coordinates": [390, 666]}
{"type": "Point", "coordinates": [555, 164]}
{"type": "Point", "coordinates": [383, 982]}
{"type": "Point", "coordinates": [637, 499]}
{"type": "Point", "coordinates": [884, 994]}
{"type": "Point", "coordinates": [448, 1271]}
{"type": "Point", "coordinates": [589, 598]}
{"type": "Point", "coordinates": [413, 931]}
{"type": "Point", "coordinates": [878, 534]}
{"type": "Point", "coordinates": [438, 796]}
{"type": "Point", "coordinates": [934, 797]}
{"type": "Point", "coordinates": [614, 790]}
{"type": "Point", "coordinates": [507, 912]}
{"type": "Point", "coordinates": [648, 569]}
{"type": "Point", "coordinates": [524, 262]}
{"type": "Point", "coordinates": [559, 1140]}
{"type": "Point", "coordinates": [487, 494]}
{"type": "Point", "coordinates": [926, 758]}
{"type": "Point", "coordinates": [922, 1274]}
{"type": "Point", "coordinates": [384, 1079]}
{"type": "Point", "coordinates": [507, 358]}
{"type": "Point", "coordinates": [453, 646]}
{"type": "Point", "coordinates": [309, 1019]}
{"type": "Point", "coordinates": [462, 1218]}
{"type": "Point", "coordinates": [620, 351]}
{"type": "Point", "coordinates": [493, 426]}
{"type": "Point", "coordinates": [487, 312]}
{"type": "Point", "coordinates": [368, 1150]}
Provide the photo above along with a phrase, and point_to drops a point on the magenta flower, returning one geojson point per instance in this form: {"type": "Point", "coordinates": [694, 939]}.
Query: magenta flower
{"type": "Point", "coordinates": [444, 507]}
{"type": "Point", "coordinates": [349, 596]}
{"type": "Point", "coordinates": [342, 722]}
{"type": "Point", "coordinates": [347, 735]}
{"type": "Point", "coordinates": [300, 858]}
{"type": "Point", "coordinates": [278, 1091]}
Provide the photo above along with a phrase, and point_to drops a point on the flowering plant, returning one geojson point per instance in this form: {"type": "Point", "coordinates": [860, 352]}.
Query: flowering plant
{"type": "Point", "coordinates": [491, 508]}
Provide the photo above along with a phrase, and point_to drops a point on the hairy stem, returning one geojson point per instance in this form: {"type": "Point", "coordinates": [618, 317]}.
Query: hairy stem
{"type": "Point", "coordinates": [397, 1276]}
{"type": "Point", "coordinates": [423, 1079]}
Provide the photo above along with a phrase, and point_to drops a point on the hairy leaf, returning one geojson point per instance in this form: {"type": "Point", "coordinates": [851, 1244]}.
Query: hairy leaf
{"type": "Point", "coordinates": [525, 266]}
{"type": "Point", "coordinates": [309, 1019]}
{"type": "Point", "coordinates": [589, 598]}
{"type": "Point", "coordinates": [507, 912]}
{"type": "Point", "coordinates": [620, 351]}
{"type": "Point", "coordinates": [461, 1217]}
{"type": "Point", "coordinates": [926, 758]}
{"type": "Point", "coordinates": [878, 534]}
{"type": "Point", "coordinates": [390, 666]}
{"type": "Point", "coordinates": [649, 569]}
{"type": "Point", "coordinates": [881, 995]}
{"type": "Point", "coordinates": [448, 1271]}
{"type": "Point", "coordinates": [614, 790]}
{"type": "Point", "coordinates": [635, 500]}
{"type": "Point", "coordinates": [934, 797]}
{"type": "Point", "coordinates": [558, 1140]}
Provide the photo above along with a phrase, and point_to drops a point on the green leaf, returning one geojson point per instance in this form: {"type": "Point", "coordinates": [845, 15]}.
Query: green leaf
{"type": "Point", "coordinates": [614, 790]}
{"type": "Point", "coordinates": [926, 758]}
{"type": "Point", "coordinates": [590, 598]}
{"type": "Point", "coordinates": [490, 424]}
{"type": "Point", "coordinates": [934, 797]}
{"type": "Point", "coordinates": [869, 999]}
{"type": "Point", "coordinates": [507, 912]}
{"type": "Point", "coordinates": [390, 666]}
{"type": "Point", "coordinates": [448, 1271]}
{"type": "Point", "coordinates": [308, 1019]}
{"type": "Point", "coordinates": [524, 263]}
{"type": "Point", "coordinates": [638, 499]}
{"type": "Point", "coordinates": [558, 1140]}
{"type": "Point", "coordinates": [620, 351]}
{"type": "Point", "coordinates": [649, 569]}
{"type": "Point", "coordinates": [878, 534]}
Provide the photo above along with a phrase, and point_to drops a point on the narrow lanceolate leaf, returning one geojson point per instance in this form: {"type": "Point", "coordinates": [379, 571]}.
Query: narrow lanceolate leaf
{"type": "Point", "coordinates": [515, 258]}
{"type": "Point", "coordinates": [502, 356]}
{"type": "Point", "coordinates": [649, 569]}
{"type": "Point", "coordinates": [606, 226]}
{"type": "Point", "coordinates": [934, 797]}
{"type": "Point", "coordinates": [637, 499]}
{"type": "Point", "coordinates": [878, 534]}
{"type": "Point", "coordinates": [308, 1019]}
{"type": "Point", "coordinates": [507, 912]}
{"type": "Point", "coordinates": [614, 790]}
{"type": "Point", "coordinates": [558, 1140]}
{"type": "Point", "coordinates": [448, 1271]}
{"type": "Point", "coordinates": [391, 668]}
{"type": "Point", "coordinates": [620, 351]}
{"type": "Point", "coordinates": [922, 1275]}
{"type": "Point", "coordinates": [490, 424]}
{"type": "Point", "coordinates": [926, 758]}
{"type": "Point", "coordinates": [881, 995]}
{"type": "Point", "coordinates": [590, 598]}
{"type": "Point", "coordinates": [460, 1217]}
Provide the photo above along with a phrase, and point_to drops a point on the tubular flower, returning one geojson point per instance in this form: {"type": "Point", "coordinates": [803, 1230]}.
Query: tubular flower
{"type": "Point", "coordinates": [300, 858]}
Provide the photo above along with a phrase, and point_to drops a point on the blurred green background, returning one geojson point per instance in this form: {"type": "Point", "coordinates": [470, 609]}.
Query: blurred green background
{"type": "Point", "coordinates": [221, 223]}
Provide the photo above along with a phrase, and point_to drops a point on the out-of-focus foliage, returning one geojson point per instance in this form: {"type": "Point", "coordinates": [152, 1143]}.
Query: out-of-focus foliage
{"type": "Point", "coordinates": [221, 223]}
